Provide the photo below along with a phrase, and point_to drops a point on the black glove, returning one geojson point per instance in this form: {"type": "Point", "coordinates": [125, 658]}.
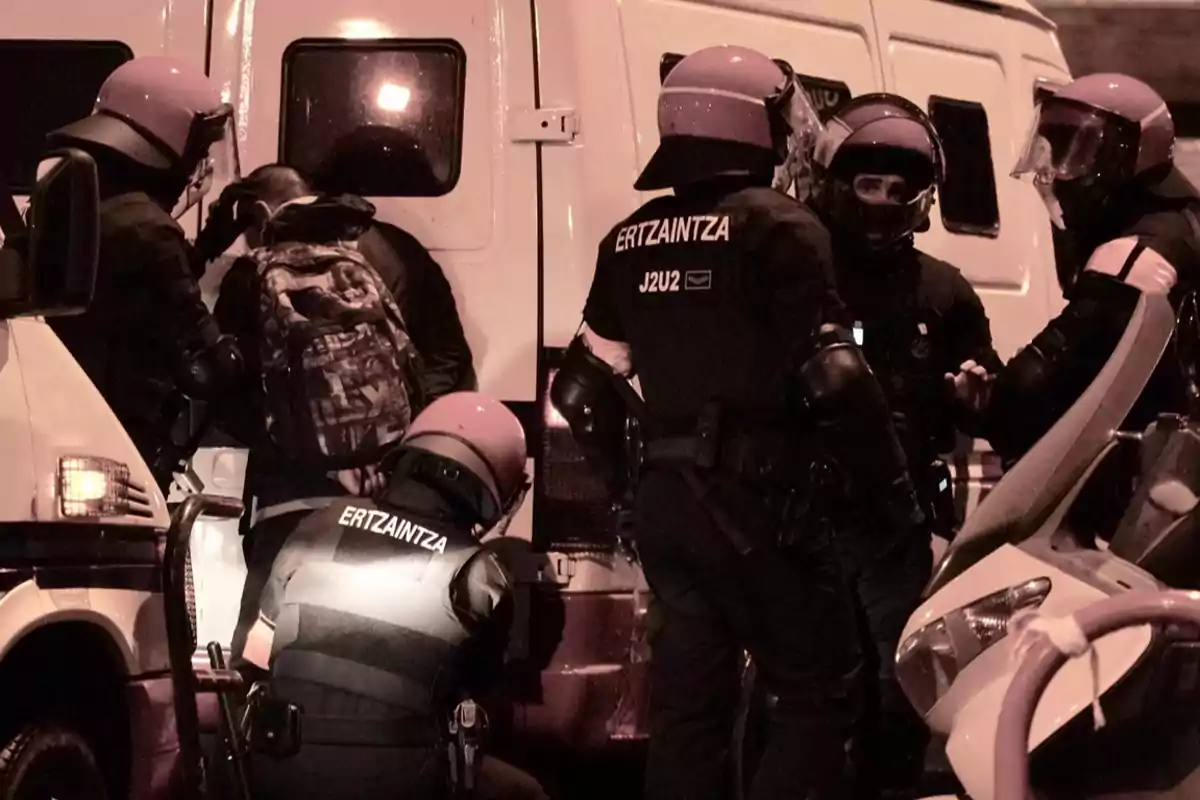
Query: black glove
{"type": "Point", "coordinates": [212, 369]}
{"type": "Point", "coordinates": [228, 218]}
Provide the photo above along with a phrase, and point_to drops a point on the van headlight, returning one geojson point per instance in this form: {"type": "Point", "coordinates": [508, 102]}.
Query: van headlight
{"type": "Point", "coordinates": [928, 662]}
{"type": "Point", "coordinates": [92, 487]}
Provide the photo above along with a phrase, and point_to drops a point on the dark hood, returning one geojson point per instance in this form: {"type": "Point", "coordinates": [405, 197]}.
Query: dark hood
{"type": "Point", "coordinates": [854, 259]}
{"type": "Point", "coordinates": [331, 218]}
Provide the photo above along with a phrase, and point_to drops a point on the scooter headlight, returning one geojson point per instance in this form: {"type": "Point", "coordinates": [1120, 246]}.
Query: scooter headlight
{"type": "Point", "coordinates": [929, 661]}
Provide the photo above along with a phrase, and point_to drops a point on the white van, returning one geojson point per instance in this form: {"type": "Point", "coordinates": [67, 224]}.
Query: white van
{"type": "Point", "coordinates": [534, 117]}
{"type": "Point", "coordinates": [86, 688]}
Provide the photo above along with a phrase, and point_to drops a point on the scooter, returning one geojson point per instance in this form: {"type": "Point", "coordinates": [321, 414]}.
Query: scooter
{"type": "Point", "coordinates": [1021, 552]}
{"type": "Point", "coordinates": [1051, 644]}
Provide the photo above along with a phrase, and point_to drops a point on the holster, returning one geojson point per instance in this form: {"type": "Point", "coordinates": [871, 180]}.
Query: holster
{"type": "Point", "coordinates": [935, 492]}
{"type": "Point", "coordinates": [468, 729]}
{"type": "Point", "coordinates": [173, 455]}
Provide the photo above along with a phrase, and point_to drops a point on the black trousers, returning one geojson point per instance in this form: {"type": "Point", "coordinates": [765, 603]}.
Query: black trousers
{"type": "Point", "coordinates": [326, 771]}
{"type": "Point", "coordinates": [890, 742]}
{"type": "Point", "coordinates": [789, 608]}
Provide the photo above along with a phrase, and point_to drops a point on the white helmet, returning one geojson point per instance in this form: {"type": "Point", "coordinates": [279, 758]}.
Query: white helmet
{"type": "Point", "coordinates": [480, 436]}
{"type": "Point", "coordinates": [1092, 137]}
{"type": "Point", "coordinates": [730, 110]}
{"type": "Point", "coordinates": [166, 115]}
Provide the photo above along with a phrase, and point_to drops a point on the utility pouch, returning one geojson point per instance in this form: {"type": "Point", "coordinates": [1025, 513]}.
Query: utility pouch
{"type": "Point", "coordinates": [938, 490]}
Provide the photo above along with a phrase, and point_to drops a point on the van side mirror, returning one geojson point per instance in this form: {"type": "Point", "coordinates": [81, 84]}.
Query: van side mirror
{"type": "Point", "coordinates": [49, 261]}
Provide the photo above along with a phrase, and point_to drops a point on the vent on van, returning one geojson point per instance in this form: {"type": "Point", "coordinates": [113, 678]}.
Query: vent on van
{"type": "Point", "coordinates": [827, 95]}
{"type": "Point", "coordinates": [572, 510]}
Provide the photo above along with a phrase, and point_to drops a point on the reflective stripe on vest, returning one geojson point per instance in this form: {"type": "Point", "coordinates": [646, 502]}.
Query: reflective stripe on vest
{"type": "Point", "coordinates": [384, 630]}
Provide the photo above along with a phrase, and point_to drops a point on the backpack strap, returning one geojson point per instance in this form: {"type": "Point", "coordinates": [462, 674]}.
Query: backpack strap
{"type": "Point", "coordinates": [383, 247]}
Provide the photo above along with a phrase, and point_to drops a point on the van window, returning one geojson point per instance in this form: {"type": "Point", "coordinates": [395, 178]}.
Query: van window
{"type": "Point", "coordinates": [968, 196]}
{"type": "Point", "coordinates": [47, 84]}
{"type": "Point", "coordinates": [378, 118]}
{"type": "Point", "coordinates": [827, 95]}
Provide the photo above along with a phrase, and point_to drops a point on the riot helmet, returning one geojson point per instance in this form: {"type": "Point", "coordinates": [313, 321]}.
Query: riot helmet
{"type": "Point", "coordinates": [165, 116]}
{"type": "Point", "coordinates": [731, 111]}
{"type": "Point", "coordinates": [877, 167]}
{"type": "Point", "coordinates": [471, 449]}
{"type": "Point", "coordinates": [1092, 138]}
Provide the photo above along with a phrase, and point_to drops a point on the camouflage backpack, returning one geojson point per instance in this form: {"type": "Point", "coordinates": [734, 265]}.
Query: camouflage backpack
{"type": "Point", "coordinates": [338, 366]}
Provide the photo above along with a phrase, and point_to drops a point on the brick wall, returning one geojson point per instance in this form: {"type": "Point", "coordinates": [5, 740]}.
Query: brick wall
{"type": "Point", "coordinates": [1154, 41]}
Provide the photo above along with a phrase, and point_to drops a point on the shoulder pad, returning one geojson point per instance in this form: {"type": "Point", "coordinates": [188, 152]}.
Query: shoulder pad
{"type": "Point", "coordinates": [480, 585]}
{"type": "Point", "coordinates": [1134, 263]}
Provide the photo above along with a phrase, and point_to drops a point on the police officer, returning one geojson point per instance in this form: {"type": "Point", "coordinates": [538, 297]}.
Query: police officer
{"type": "Point", "coordinates": [876, 170]}
{"type": "Point", "coordinates": [721, 297]}
{"type": "Point", "coordinates": [160, 136]}
{"type": "Point", "coordinates": [1101, 156]}
{"type": "Point", "coordinates": [379, 618]}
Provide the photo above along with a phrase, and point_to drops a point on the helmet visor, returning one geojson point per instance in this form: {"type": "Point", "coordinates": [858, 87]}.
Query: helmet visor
{"type": "Point", "coordinates": [795, 173]}
{"type": "Point", "coordinates": [214, 140]}
{"type": "Point", "coordinates": [1064, 143]}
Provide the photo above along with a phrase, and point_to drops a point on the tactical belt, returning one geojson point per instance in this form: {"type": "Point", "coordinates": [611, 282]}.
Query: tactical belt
{"type": "Point", "coordinates": [336, 673]}
{"type": "Point", "coordinates": [740, 455]}
{"type": "Point", "coordinates": [411, 731]}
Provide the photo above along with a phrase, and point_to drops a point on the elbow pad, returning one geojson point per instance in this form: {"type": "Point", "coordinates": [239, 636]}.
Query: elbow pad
{"type": "Point", "coordinates": [852, 417]}
{"type": "Point", "coordinates": [1044, 379]}
{"type": "Point", "coordinates": [585, 395]}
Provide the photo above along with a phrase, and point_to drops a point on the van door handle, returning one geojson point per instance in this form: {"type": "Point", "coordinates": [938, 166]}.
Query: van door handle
{"type": "Point", "coordinates": [543, 125]}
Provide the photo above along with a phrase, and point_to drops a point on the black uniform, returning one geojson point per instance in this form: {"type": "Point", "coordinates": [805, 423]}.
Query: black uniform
{"type": "Point", "coordinates": [384, 618]}
{"type": "Point", "coordinates": [720, 292]}
{"type": "Point", "coordinates": [1045, 378]}
{"type": "Point", "coordinates": [920, 319]}
{"type": "Point", "coordinates": [146, 322]}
